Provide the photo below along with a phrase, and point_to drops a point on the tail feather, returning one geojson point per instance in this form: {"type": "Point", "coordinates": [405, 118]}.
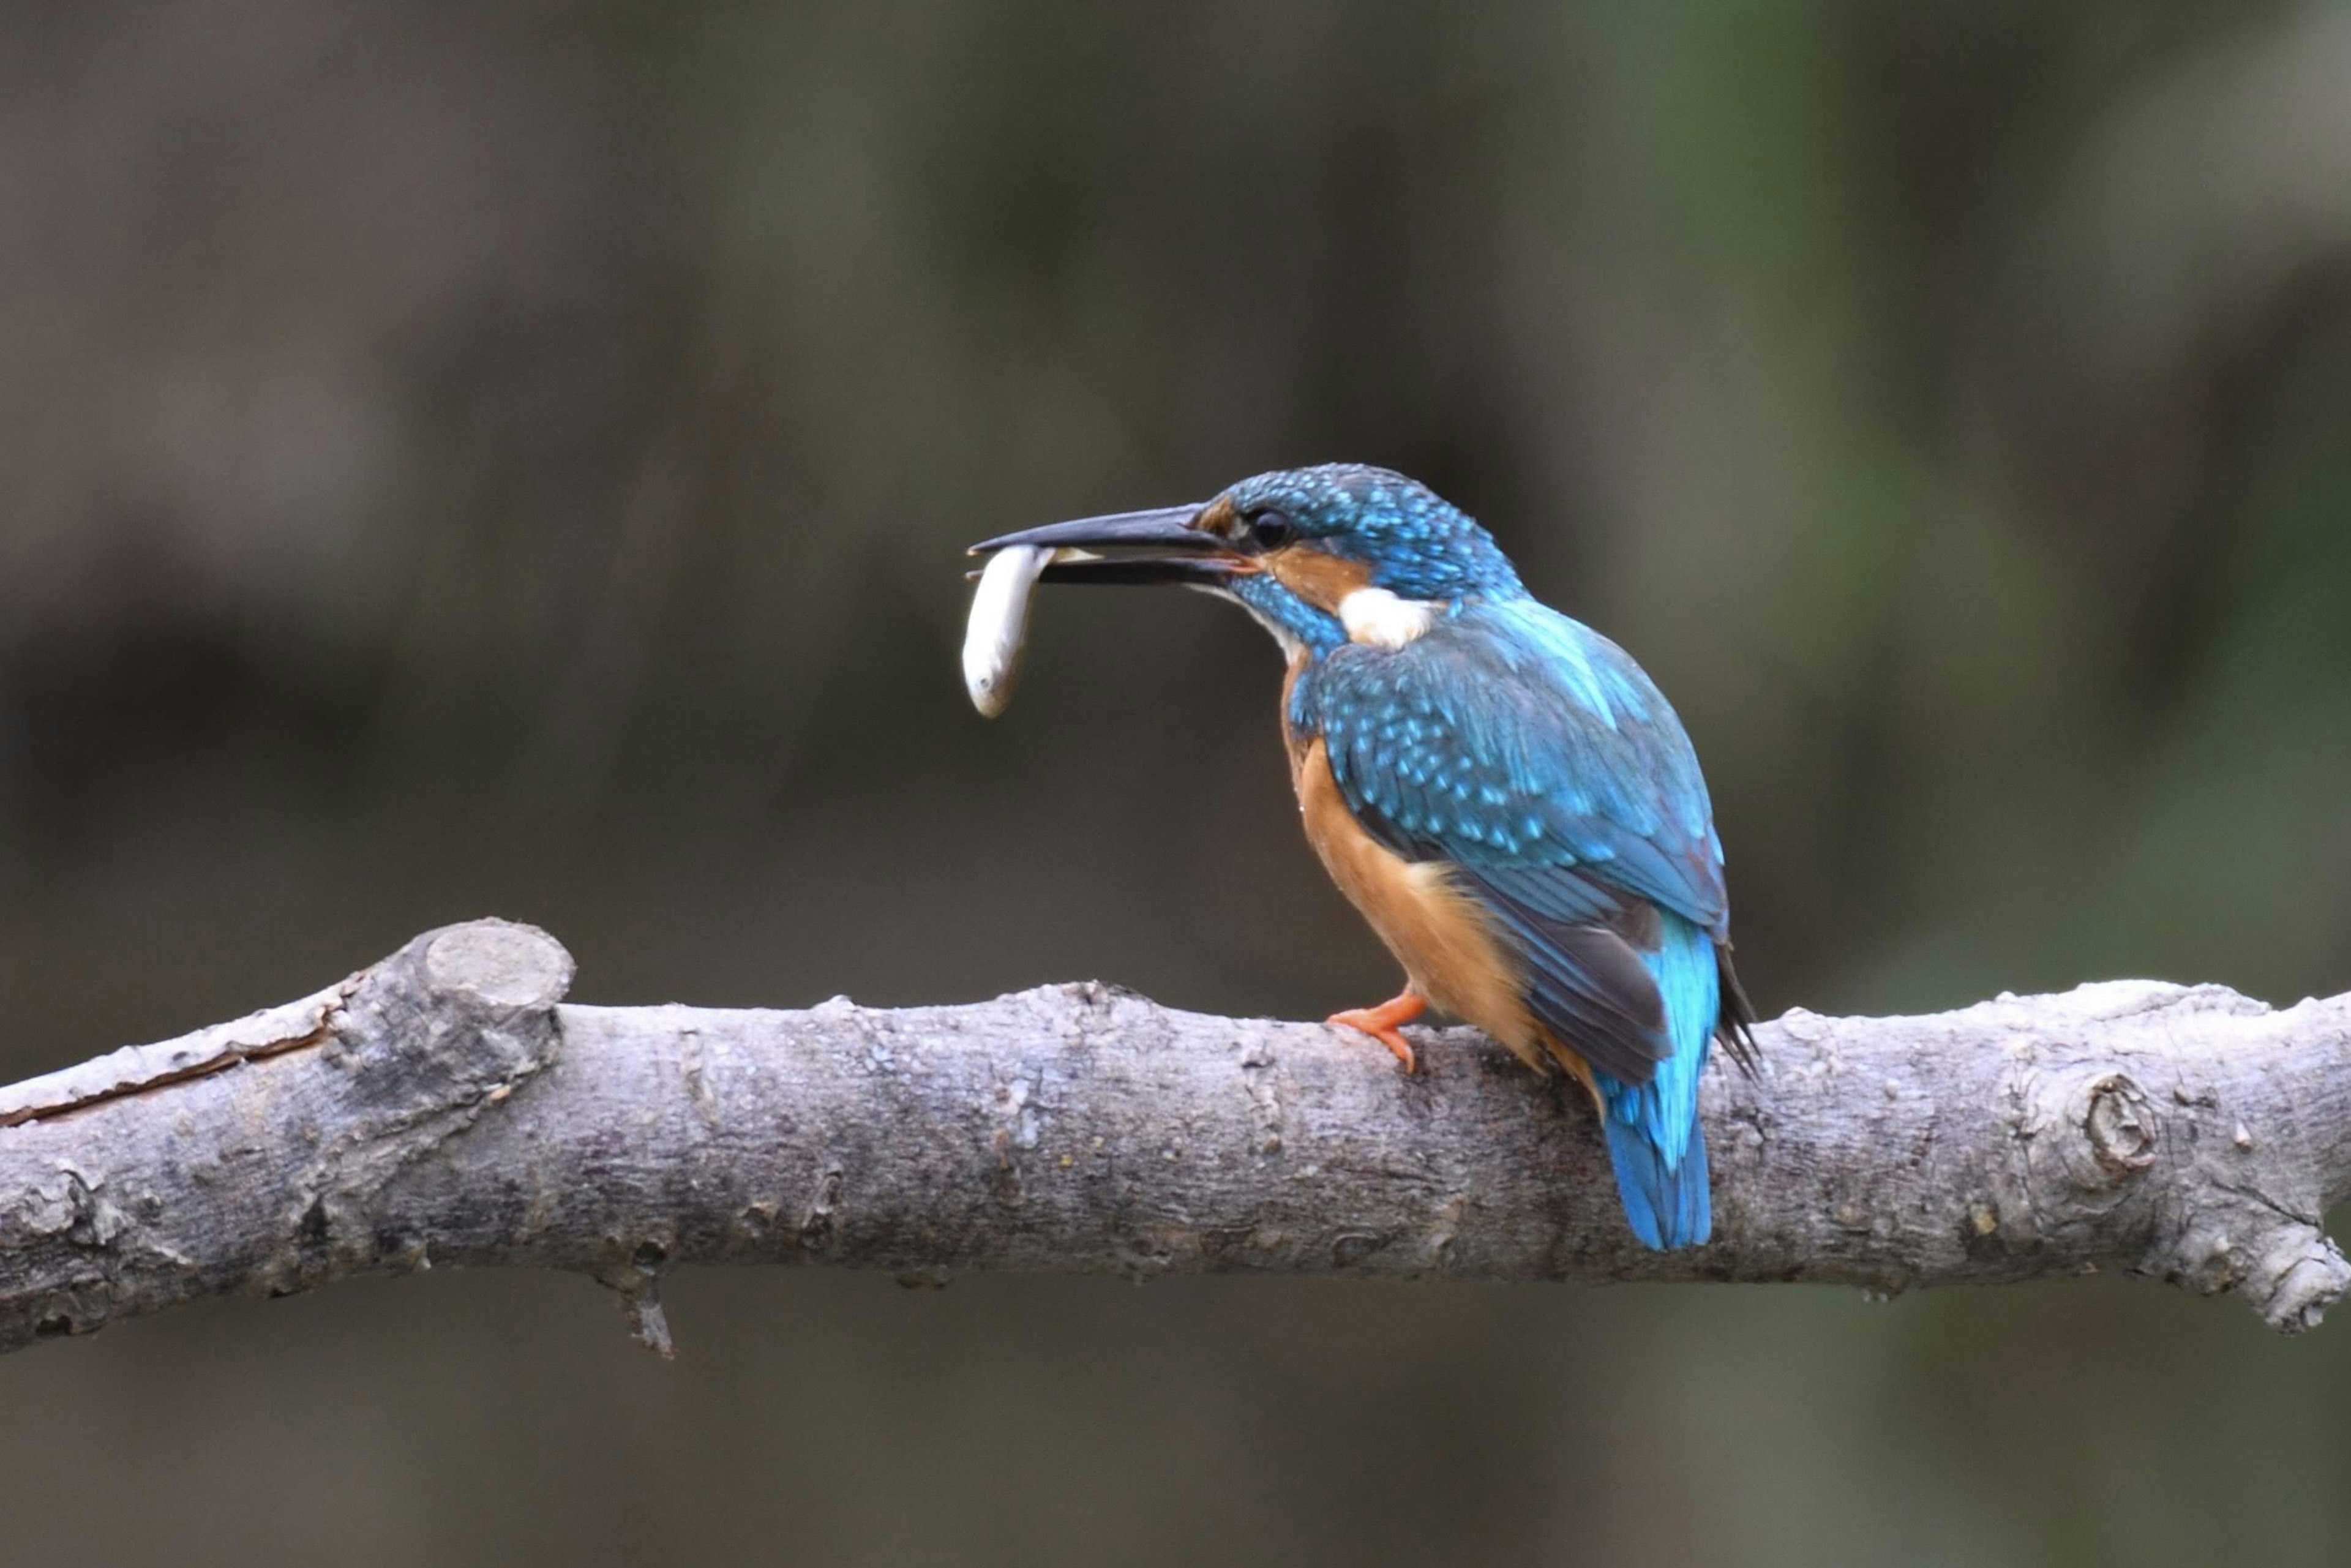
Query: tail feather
{"type": "Point", "coordinates": [1655, 1144]}
{"type": "Point", "coordinates": [1666, 1206]}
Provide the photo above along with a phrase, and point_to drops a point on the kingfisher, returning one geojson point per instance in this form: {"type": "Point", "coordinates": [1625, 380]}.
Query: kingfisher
{"type": "Point", "coordinates": [1500, 791]}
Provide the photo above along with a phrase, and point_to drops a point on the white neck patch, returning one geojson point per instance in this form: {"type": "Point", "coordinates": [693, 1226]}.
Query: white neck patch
{"type": "Point", "coordinates": [1375, 616]}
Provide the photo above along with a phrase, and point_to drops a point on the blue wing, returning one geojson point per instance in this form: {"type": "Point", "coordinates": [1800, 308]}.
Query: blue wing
{"type": "Point", "coordinates": [1512, 736]}
{"type": "Point", "coordinates": [1539, 760]}
{"type": "Point", "coordinates": [1537, 756]}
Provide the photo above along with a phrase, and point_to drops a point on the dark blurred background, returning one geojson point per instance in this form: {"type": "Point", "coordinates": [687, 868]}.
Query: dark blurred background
{"type": "Point", "coordinates": [463, 461]}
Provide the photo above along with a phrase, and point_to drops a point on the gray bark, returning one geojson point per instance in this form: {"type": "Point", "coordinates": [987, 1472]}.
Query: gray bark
{"type": "Point", "coordinates": [443, 1108]}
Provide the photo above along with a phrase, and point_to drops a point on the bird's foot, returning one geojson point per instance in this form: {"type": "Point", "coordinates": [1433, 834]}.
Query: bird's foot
{"type": "Point", "coordinates": [1381, 1022]}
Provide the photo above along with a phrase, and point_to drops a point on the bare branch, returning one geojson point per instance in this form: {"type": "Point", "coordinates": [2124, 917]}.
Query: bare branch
{"type": "Point", "coordinates": [441, 1107]}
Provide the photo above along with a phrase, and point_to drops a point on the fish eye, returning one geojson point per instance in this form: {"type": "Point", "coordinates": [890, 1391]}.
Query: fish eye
{"type": "Point", "coordinates": [1270, 529]}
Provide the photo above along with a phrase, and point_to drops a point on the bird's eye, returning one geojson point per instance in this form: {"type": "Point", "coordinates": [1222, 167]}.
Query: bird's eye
{"type": "Point", "coordinates": [1270, 529]}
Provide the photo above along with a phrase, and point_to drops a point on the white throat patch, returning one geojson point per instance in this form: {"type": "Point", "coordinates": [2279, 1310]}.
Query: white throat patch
{"type": "Point", "coordinates": [1374, 615]}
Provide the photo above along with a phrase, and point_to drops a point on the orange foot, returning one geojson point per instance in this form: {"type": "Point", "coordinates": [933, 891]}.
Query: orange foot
{"type": "Point", "coordinates": [1380, 1022]}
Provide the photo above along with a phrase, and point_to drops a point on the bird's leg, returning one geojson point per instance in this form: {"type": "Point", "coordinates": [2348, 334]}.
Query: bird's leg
{"type": "Point", "coordinates": [1380, 1022]}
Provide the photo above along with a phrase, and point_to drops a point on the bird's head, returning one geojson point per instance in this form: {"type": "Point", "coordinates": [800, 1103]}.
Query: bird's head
{"type": "Point", "coordinates": [1321, 556]}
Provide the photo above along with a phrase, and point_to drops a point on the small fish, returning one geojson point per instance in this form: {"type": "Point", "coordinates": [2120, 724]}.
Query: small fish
{"type": "Point", "coordinates": [999, 628]}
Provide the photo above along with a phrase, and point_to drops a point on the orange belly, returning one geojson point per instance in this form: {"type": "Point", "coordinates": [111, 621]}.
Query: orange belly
{"type": "Point", "coordinates": [1437, 932]}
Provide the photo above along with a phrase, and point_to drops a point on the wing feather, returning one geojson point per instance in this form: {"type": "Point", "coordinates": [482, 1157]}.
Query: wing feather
{"type": "Point", "coordinates": [1537, 758]}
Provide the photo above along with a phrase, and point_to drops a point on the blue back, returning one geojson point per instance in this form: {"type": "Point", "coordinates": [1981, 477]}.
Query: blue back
{"type": "Point", "coordinates": [1538, 758]}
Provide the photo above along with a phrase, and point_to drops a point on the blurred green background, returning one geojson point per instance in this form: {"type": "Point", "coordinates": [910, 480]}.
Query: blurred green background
{"type": "Point", "coordinates": [464, 461]}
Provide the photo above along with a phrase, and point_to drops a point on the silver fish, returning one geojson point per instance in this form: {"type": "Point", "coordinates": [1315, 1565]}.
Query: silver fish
{"type": "Point", "coordinates": [997, 631]}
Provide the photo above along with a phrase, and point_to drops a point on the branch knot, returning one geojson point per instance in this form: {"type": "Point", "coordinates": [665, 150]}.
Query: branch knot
{"type": "Point", "coordinates": [2122, 1127]}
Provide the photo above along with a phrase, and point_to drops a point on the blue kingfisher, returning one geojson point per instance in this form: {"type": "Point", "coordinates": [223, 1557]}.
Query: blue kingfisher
{"type": "Point", "coordinates": [1500, 790]}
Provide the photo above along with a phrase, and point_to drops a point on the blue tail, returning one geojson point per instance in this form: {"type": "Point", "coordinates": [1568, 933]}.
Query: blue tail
{"type": "Point", "coordinates": [1668, 1206]}
{"type": "Point", "coordinates": [1654, 1141]}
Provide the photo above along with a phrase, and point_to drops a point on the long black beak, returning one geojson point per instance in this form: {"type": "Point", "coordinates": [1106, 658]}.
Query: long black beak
{"type": "Point", "coordinates": [1154, 547]}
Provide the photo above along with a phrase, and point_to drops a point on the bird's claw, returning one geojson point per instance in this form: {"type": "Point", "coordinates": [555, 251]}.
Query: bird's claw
{"type": "Point", "coordinates": [1381, 1023]}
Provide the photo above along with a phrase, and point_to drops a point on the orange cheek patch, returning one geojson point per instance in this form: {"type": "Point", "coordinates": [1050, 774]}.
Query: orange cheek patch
{"type": "Point", "coordinates": [1318, 577]}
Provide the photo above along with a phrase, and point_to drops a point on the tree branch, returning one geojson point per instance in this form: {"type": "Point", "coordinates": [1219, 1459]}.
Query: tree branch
{"type": "Point", "coordinates": [441, 1107]}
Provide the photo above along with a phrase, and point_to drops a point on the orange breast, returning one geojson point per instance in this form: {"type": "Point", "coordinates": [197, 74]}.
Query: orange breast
{"type": "Point", "coordinates": [1437, 932]}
